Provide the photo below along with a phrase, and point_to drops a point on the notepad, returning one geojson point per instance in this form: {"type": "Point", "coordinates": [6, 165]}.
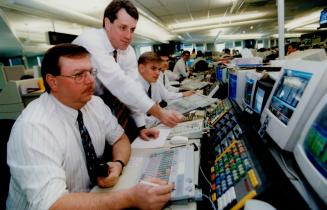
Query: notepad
{"type": "Point", "coordinates": [152, 143]}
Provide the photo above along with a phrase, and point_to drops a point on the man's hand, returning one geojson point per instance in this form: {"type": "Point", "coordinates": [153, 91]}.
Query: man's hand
{"type": "Point", "coordinates": [149, 133]}
{"type": "Point", "coordinates": [168, 118]}
{"type": "Point", "coordinates": [188, 93]}
{"type": "Point", "coordinates": [151, 197]}
{"type": "Point", "coordinates": [115, 170]}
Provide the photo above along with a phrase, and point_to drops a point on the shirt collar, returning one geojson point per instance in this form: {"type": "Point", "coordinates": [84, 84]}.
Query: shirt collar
{"type": "Point", "coordinates": [68, 112]}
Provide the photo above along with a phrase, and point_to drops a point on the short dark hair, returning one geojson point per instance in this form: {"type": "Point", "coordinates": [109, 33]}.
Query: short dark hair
{"type": "Point", "coordinates": [294, 45]}
{"type": "Point", "coordinates": [148, 57]}
{"type": "Point", "coordinates": [186, 52]}
{"type": "Point", "coordinates": [112, 9]}
{"type": "Point", "coordinates": [50, 62]}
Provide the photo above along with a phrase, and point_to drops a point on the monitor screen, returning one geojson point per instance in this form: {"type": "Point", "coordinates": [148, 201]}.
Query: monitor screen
{"type": "Point", "coordinates": [248, 90]}
{"type": "Point", "coordinates": [288, 94]}
{"type": "Point", "coordinates": [190, 62]}
{"type": "Point", "coordinates": [232, 86]}
{"type": "Point", "coordinates": [323, 19]}
{"type": "Point", "coordinates": [258, 101]}
{"type": "Point", "coordinates": [219, 73]}
{"type": "Point", "coordinates": [315, 143]}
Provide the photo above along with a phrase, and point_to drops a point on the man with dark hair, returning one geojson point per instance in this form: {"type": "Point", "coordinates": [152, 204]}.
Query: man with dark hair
{"type": "Point", "coordinates": [180, 66]}
{"type": "Point", "coordinates": [166, 74]}
{"type": "Point", "coordinates": [116, 62]}
{"type": "Point", "coordinates": [149, 64]}
{"type": "Point", "coordinates": [56, 144]}
{"type": "Point", "coordinates": [292, 47]}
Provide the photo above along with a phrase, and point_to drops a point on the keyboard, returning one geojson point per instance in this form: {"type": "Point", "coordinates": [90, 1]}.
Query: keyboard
{"type": "Point", "coordinates": [189, 103]}
{"type": "Point", "coordinates": [191, 129]}
{"type": "Point", "coordinates": [175, 165]}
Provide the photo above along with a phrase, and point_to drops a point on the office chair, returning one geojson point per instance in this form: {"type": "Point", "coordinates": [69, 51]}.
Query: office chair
{"type": "Point", "coordinates": [5, 125]}
{"type": "Point", "coordinates": [200, 66]}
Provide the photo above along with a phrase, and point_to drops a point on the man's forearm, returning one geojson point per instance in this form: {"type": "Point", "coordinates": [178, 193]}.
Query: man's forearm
{"type": "Point", "coordinates": [121, 150]}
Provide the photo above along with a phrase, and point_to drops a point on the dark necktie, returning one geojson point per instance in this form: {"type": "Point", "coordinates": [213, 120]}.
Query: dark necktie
{"type": "Point", "coordinates": [117, 107]}
{"type": "Point", "coordinates": [91, 159]}
{"type": "Point", "coordinates": [149, 92]}
{"type": "Point", "coordinates": [115, 55]}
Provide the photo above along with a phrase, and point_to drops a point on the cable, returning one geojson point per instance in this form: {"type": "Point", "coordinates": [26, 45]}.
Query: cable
{"type": "Point", "coordinates": [205, 177]}
{"type": "Point", "coordinates": [212, 204]}
{"type": "Point", "coordinates": [288, 169]}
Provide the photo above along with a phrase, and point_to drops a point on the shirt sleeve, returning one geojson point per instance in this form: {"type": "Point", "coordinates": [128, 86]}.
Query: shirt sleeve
{"type": "Point", "coordinates": [167, 95]}
{"type": "Point", "coordinates": [35, 160]}
{"type": "Point", "coordinates": [113, 77]}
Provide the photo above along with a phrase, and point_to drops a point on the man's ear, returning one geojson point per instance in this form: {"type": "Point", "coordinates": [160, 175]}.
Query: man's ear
{"type": "Point", "coordinates": [52, 82]}
{"type": "Point", "coordinates": [107, 23]}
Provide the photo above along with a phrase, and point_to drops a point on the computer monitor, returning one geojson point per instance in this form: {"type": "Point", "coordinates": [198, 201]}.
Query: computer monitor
{"type": "Point", "coordinates": [221, 74]}
{"type": "Point", "coordinates": [323, 19]}
{"type": "Point", "coordinates": [190, 62]}
{"type": "Point", "coordinates": [300, 85]}
{"type": "Point", "coordinates": [236, 85]}
{"type": "Point", "coordinates": [311, 150]}
{"type": "Point", "coordinates": [251, 79]}
{"type": "Point", "coordinates": [261, 94]}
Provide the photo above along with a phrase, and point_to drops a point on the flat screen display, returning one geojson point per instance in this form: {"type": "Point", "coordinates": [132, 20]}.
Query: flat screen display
{"type": "Point", "coordinates": [232, 86]}
{"type": "Point", "coordinates": [288, 94]}
{"type": "Point", "coordinates": [248, 91]}
{"type": "Point", "coordinates": [323, 18]}
{"type": "Point", "coordinates": [259, 100]}
{"type": "Point", "coordinates": [315, 143]}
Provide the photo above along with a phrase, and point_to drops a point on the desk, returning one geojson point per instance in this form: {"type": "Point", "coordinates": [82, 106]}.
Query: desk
{"type": "Point", "coordinates": [132, 171]}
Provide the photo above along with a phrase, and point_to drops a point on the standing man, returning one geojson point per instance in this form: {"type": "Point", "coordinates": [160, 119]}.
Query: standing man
{"type": "Point", "coordinates": [116, 62]}
{"type": "Point", "coordinates": [180, 66]}
{"type": "Point", "coordinates": [56, 143]}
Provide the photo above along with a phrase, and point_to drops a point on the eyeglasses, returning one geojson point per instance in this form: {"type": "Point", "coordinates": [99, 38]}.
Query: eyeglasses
{"type": "Point", "coordinates": [80, 76]}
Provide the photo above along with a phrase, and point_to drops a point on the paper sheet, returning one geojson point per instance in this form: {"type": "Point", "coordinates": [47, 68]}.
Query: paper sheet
{"type": "Point", "coordinates": [152, 143]}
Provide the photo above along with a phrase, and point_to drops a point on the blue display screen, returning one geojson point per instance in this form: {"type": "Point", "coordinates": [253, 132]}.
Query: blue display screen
{"type": "Point", "coordinates": [248, 91]}
{"type": "Point", "coordinates": [288, 94]}
{"type": "Point", "coordinates": [315, 143]}
{"type": "Point", "coordinates": [219, 73]}
{"type": "Point", "coordinates": [258, 102]}
{"type": "Point", "coordinates": [232, 86]}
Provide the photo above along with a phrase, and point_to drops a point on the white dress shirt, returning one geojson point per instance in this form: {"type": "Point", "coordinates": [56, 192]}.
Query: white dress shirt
{"type": "Point", "coordinates": [165, 80]}
{"type": "Point", "coordinates": [180, 68]}
{"type": "Point", "coordinates": [158, 93]}
{"type": "Point", "coordinates": [45, 152]}
{"type": "Point", "coordinates": [118, 77]}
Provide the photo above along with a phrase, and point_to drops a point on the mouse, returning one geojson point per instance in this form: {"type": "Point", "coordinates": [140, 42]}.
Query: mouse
{"type": "Point", "coordinates": [179, 140]}
{"type": "Point", "coordinates": [254, 204]}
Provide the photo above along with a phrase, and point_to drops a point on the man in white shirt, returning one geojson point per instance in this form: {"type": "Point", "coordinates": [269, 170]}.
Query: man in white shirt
{"type": "Point", "coordinates": [164, 77]}
{"type": "Point", "coordinates": [111, 43]}
{"type": "Point", "coordinates": [58, 140]}
{"type": "Point", "coordinates": [149, 67]}
{"type": "Point", "coordinates": [180, 66]}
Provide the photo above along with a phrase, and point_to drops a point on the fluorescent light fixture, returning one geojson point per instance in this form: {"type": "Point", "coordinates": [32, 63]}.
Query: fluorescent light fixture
{"type": "Point", "coordinates": [248, 22]}
{"type": "Point", "coordinates": [240, 36]}
{"type": "Point", "coordinates": [304, 20]}
{"type": "Point", "coordinates": [288, 35]}
{"type": "Point", "coordinates": [217, 20]}
{"type": "Point", "coordinates": [311, 27]}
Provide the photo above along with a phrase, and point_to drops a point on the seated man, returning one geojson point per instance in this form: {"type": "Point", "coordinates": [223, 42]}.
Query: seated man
{"type": "Point", "coordinates": [56, 144]}
{"type": "Point", "coordinates": [164, 74]}
{"type": "Point", "coordinates": [149, 64]}
{"type": "Point", "coordinates": [180, 67]}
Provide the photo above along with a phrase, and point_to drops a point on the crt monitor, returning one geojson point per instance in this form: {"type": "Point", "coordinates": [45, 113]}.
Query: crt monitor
{"type": "Point", "coordinates": [261, 94]}
{"type": "Point", "coordinates": [236, 85]}
{"type": "Point", "coordinates": [311, 150]}
{"type": "Point", "coordinates": [251, 79]}
{"type": "Point", "coordinates": [309, 54]}
{"type": "Point", "coordinates": [299, 87]}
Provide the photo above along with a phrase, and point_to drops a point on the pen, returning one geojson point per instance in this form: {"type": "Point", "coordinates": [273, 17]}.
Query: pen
{"type": "Point", "coordinates": [148, 183]}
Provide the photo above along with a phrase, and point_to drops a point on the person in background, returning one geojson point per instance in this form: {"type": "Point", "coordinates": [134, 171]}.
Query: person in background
{"type": "Point", "coordinates": [116, 62]}
{"type": "Point", "coordinates": [180, 66]}
{"type": "Point", "coordinates": [292, 47]}
{"type": "Point", "coordinates": [165, 73]}
{"type": "Point", "coordinates": [149, 64]}
{"type": "Point", "coordinates": [199, 64]}
{"type": "Point", "coordinates": [56, 144]}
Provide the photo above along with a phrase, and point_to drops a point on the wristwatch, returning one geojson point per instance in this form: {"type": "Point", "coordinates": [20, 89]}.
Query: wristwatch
{"type": "Point", "coordinates": [121, 162]}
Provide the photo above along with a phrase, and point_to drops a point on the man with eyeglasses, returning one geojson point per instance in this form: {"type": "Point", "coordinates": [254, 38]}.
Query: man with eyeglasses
{"type": "Point", "coordinates": [51, 141]}
{"type": "Point", "coordinates": [116, 62]}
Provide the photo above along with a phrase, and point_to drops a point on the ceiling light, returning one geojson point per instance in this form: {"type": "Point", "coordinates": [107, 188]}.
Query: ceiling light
{"type": "Point", "coordinates": [241, 36]}
{"type": "Point", "coordinates": [251, 27]}
{"type": "Point", "coordinates": [218, 20]}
